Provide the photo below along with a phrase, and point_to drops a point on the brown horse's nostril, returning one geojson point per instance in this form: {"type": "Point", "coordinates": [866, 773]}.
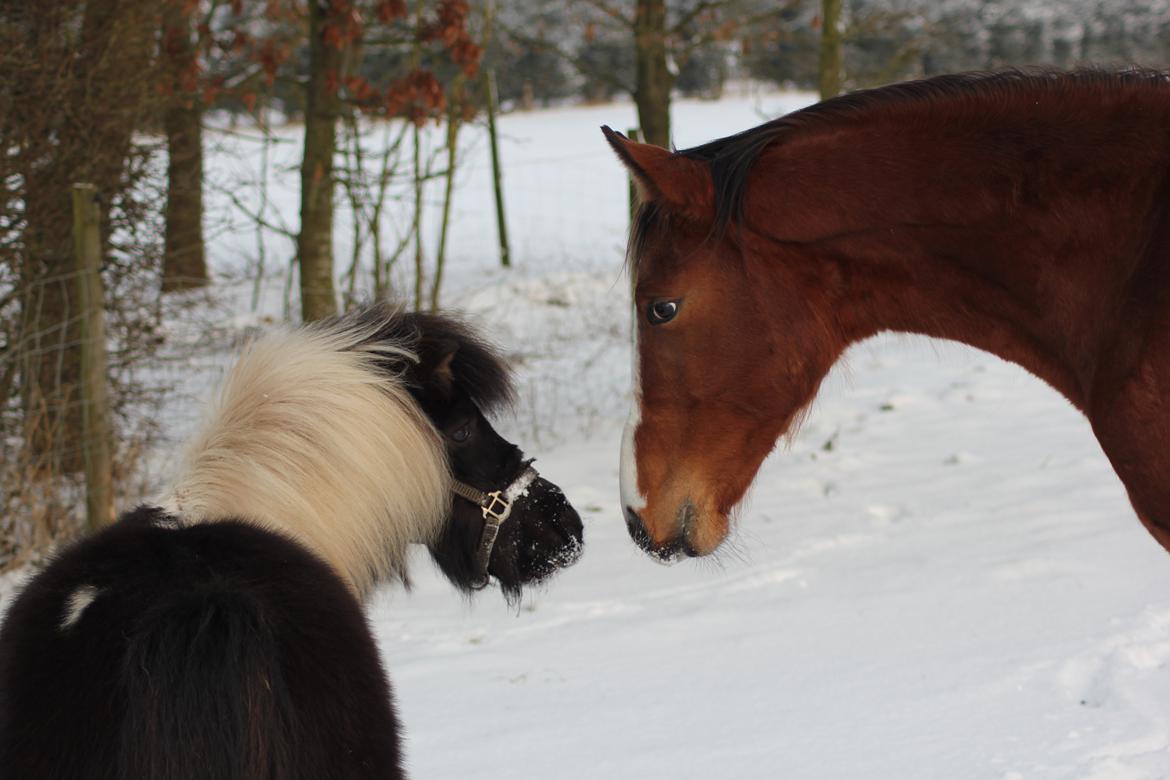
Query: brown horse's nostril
{"type": "Point", "coordinates": [665, 552]}
{"type": "Point", "coordinates": [637, 529]}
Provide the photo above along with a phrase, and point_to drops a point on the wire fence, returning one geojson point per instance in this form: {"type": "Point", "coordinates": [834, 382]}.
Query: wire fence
{"type": "Point", "coordinates": [156, 380]}
{"type": "Point", "coordinates": [42, 471]}
{"type": "Point", "coordinates": [165, 354]}
{"type": "Point", "coordinates": [76, 419]}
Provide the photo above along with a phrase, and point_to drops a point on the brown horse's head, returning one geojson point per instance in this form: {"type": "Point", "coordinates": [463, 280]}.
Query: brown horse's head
{"type": "Point", "coordinates": [725, 356]}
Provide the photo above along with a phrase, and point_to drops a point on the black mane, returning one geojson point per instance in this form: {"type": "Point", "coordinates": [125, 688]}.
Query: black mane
{"type": "Point", "coordinates": [731, 158]}
{"type": "Point", "coordinates": [478, 368]}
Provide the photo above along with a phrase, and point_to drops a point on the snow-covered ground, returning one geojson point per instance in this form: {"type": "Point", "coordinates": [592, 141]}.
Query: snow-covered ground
{"type": "Point", "coordinates": [938, 577]}
{"type": "Point", "coordinates": [957, 588]}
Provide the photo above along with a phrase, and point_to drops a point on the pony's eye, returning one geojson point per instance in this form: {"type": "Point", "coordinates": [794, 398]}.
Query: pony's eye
{"type": "Point", "coordinates": [659, 312]}
{"type": "Point", "coordinates": [462, 433]}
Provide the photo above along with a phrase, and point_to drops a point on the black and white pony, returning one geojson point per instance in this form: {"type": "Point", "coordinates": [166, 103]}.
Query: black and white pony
{"type": "Point", "coordinates": [220, 633]}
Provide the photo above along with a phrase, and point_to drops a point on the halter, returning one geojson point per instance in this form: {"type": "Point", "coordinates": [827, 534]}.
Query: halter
{"type": "Point", "coordinates": [496, 507]}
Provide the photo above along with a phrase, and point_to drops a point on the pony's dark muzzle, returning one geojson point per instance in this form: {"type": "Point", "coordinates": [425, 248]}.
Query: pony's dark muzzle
{"type": "Point", "coordinates": [566, 523]}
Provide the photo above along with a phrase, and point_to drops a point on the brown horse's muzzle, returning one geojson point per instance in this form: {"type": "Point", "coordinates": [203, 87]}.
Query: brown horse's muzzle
{"type": "Point", "coordinates": [691, 533]}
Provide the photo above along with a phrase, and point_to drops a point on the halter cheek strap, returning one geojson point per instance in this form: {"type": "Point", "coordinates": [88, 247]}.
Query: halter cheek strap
{"type": "Point", "coordinates": [496, 507]}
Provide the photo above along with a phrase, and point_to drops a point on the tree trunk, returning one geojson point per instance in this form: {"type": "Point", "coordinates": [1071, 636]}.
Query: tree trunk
{"type": "Point", "coordinates": [105, 83]}
{"type": "Point", "coordinates": [49, 332]}
{"type": "Point", "coordinates": [184, 262]}
{"type": "Point", "coordinates": [419, 264]}
{"type": "Point", "coordinates": [453, 122]}
{"type": "Point", "coordinates": [830, 61]}
{"type": "Point", "coordinates": [653, 79]}
{"type": "Point", "coordinates": [113, 82]}
{"type": "Point", "coordinates": [489, 102]}
{"type": "Point", "coordinates": [315, 242]}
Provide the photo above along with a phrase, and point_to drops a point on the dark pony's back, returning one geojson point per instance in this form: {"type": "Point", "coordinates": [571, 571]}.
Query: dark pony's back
{"type": "Point", "coordinates": [218, 650]}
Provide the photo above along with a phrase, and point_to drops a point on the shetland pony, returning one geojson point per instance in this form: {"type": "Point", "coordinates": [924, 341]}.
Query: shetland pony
{"type": "Point", "coordinates": [220, 632]}
{"type": "Point", "coordinates": [1026, 214]}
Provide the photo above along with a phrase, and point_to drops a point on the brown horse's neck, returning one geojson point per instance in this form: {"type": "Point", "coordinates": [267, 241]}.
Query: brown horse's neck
{"type": "Point", "coordinates": [1034, 239]}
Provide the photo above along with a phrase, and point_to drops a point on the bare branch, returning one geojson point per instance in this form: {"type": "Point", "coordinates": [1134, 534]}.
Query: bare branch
{"type": "Point", "coordinates": [699, 9]}
{"type": "Point", "coordinates": [582, 66]}
{"type": "Point", "coordinates": [707, 37]}
{"type": "Point", "coordinates": [258, 218]}
{"type": "Point", "coordinates": [611, 12]}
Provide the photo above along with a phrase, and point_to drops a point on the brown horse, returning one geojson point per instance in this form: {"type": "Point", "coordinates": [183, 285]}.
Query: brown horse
{"type": "Point", "coordinates": [1026, 214]}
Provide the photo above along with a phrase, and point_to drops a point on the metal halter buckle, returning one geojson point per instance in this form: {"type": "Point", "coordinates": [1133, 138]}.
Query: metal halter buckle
{"type": "Point", "coordinates": [496, 507]}
{"type": "Point", "coordinates": [491, 501]}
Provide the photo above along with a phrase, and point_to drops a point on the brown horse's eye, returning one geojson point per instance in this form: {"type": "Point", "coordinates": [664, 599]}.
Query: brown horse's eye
{"type": "Point", "coordinates": [462, 433]}
{"type": "Point", "coordinates": [659, 312]}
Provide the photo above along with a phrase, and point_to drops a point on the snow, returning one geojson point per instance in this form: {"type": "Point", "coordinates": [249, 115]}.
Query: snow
{"type": "Point", "coordinates": [957, 589]}
{"type": "Point", "coordinates": [939, 575]}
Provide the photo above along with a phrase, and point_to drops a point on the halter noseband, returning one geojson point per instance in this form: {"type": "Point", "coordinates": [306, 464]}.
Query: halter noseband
{"type": "Point", "coordinates": [496, 507]}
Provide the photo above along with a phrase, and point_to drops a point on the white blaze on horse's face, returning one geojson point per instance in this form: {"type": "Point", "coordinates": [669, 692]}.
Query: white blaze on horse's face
{"type": "Point", "coordinates": [631, 496]}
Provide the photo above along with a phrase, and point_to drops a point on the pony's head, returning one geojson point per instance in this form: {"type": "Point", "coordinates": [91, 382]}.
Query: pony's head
{"type": "Point", "coordinates": [724, 359]}
{"type": "Point", "coordinates": [358, 435]}
{"type": "Point", "coordinates": [506, 521]}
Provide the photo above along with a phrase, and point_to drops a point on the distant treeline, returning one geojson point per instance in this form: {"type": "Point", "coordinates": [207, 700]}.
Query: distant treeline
{"type": "Point", "coordinates": [885, 40]}
{"type": "Point", "coordinates": [544, 52]}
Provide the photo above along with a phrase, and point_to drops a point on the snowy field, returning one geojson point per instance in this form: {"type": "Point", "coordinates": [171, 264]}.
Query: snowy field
{"type": "Point", "coordinates": [938, 577]}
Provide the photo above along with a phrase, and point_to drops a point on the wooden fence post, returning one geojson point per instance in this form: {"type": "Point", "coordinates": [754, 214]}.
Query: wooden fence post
{"type": "Point", "coordinates": [95, 406]}
{"type": "Point", "coordinates": [634, 134]}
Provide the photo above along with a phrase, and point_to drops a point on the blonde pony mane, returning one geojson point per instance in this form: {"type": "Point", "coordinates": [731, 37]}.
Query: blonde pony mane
{"type": "Point", "coordinates": [314, 436]}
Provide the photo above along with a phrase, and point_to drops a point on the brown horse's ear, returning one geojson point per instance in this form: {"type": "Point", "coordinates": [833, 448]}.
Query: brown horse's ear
{"type": "Point", "coordinates": [678, 182]}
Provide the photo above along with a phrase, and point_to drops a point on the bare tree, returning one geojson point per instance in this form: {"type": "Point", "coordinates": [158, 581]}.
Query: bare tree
{"type": "Point", "coordinates": [327, 49]}
{"type": "Point", "coordinates": [421, 51]}
{"type": "Point", "coordinates": [79, 80]}
{"type": "Point", "coordinates": [184, 262]}
{"type": "Point", "coordinates": [831, 54]}
{"type": "Point", "coordinates": [653, 78]}
{"type": "Point", "coordinates": [79, 77]}
{"type": "Point", "coordinates": [662, 35]}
